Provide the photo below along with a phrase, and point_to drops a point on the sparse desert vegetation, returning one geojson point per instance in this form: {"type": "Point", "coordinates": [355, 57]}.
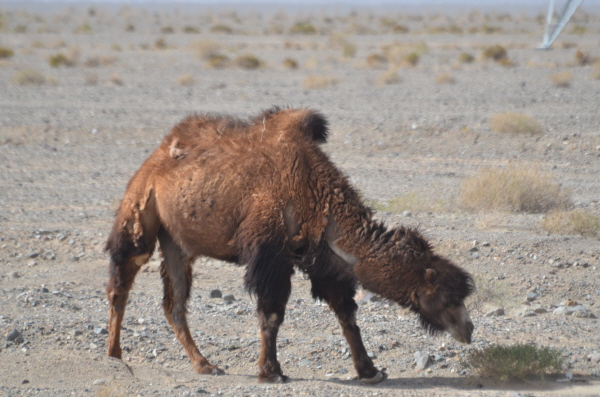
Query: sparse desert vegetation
{"type": "Point", "coordinates": [577, 221]}
{"type": "Point", "coordinates": [515, 189]}
{"type": "Point", "coordinates": [515, 362]}
{"type": "Point", "coordinates": [515, 123]}
{"type": "Point", "coordinates": [248, 62]}
{"type": "Point", "coordinates": [389, 77]}
{"type": "Point", "coordinates": [562, 79]}
{"type": "Point", "coordinates": [445, 78]}
{"type": "Point", "coordinates": [29, 77]}
{"type": "Point", "coordinates": [6, 52]}
{"type": "Point", "coordinates": [317, 82]}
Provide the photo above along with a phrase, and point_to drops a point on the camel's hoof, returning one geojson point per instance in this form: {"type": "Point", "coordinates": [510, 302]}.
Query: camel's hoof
{"type": "Point", "coordinates": [379, 377]}
{"type": "Point", "coordinates": [278, 378]}
{"type": "Point", "coordinates": [210, 371]}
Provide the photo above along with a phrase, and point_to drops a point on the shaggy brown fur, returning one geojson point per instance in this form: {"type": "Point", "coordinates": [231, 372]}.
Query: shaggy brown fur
{"type": "Point", "coordinates": [261, 193]}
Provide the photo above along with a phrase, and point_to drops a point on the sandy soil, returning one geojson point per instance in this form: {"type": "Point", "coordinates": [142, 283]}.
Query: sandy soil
{"type": "Point", "coordinates": [69, 146]}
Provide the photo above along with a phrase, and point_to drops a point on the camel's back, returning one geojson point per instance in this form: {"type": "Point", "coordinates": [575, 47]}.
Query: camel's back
{"type": "Point", "coordinates": [213, 170]}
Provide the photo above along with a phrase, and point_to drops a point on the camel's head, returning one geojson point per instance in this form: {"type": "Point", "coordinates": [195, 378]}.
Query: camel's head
{"type": "Point", "coordinates": [439, 300]}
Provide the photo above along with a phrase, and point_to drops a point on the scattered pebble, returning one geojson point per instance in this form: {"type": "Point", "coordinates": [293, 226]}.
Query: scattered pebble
{"type": "Point", "coordinates": [422, 360]}
{"type": "Point", "coordinates": [228, 297]}
{"type": "Point", "coordinates": [99, 382]}
{"type": "Point", "coordinates": [15, 336]}
{"type": "Point", "coordinates": [100, 331]}
{"type": "Point", "coordinates": [215, 293]}
{"type": "Point", "coordinates": [495, 312]}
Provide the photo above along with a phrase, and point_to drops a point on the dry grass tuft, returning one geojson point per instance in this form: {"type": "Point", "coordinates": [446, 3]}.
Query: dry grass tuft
{"type": "Point", "coordinates": [495, 52]}
{"type": "Point", "coordinates": [218, 61]}
{"type": "Point", "coordinates": [290, 63]}
{"type": "Point", "coordinates": [303, 28]}
{"type": "Point", "coordinates": [465, 57]}
{"type": "Point", "coordinates": [191, 30]}
{"type": "Point", "coordinates": [69, 58]}
{"type": "Point", "coordinates": [515, 123]}
{"type": "Point", "coordinates": [6, 53]}
{"type": "Point", "coordinates": [562, 79]}
{"type": "Point", "coordinates": [115, 78]}
{"type": "Point", "coordinates": [514, 362]}
{"type": "Point", "coordinates": [411, 59]}
{"type": "Point", "coordinates": [185, 80]}
{"type": "Point", "coordinates": [389, 77]}
{"type": "Point", "coordinates": [376, 61]}
{"type": "Point", "coordinates": [160, 44]}
{"type": "Point", "coordinates": [583, 59]}
{"type": "Point", "coordinates": [97, 61]}
{"type": "Point", "coordinates": [413, 202]}
{"type": "Point", "coordinates": [221, 29]}
{"type": "Point", "coordinates": [167, 30]}
{"type": "Point", "coordinates": [248, 62]}
{"type": "Point", "coordinates": [514, 189]}
{"type": "Point", "coordinates": [29, 77]}
{"type": "Point", "coordinates": [316, 82]}
{"type": "Point", "coordinates": [445, 78]}
{"type": "Point", "coordinates": [206, 49]}
{"type": "Point", "coordinates": [577, 221]}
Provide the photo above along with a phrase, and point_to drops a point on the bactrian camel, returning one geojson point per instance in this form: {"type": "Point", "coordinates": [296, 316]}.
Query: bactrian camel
{"type": "Point", "coordinates": [261, 193]}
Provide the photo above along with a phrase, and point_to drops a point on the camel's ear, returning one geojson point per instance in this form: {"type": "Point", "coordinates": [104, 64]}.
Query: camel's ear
{"type": "Point", "coordinates": [430, 275]}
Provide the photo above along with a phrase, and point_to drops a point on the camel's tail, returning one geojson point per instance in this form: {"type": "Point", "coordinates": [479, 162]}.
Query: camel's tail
{"type": "Point", "coordinates": [134, 233]}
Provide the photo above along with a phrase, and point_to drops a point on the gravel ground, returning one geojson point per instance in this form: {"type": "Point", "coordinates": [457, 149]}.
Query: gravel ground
{"type": "Point", "coordinates": [68, 148]}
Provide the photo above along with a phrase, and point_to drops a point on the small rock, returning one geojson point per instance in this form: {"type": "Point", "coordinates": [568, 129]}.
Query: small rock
{"type": "Point", "coordinates": [99, 382]}
{"type": "Point", "coordinates": [594, 358]}
{"type": "Point", "coordinates": [45, 290]}
{"type": "Point", "coordinates": [422, 360]}
{"type": "Point", "coordinates": [407, 214]}
{"type": "Point", "coordinates": [371, 355]}
{"type": "Point", "coordinates": [528, 313]}
{"type": "Point", "coordinates": [531, 296]}
{"type": "Point", "coordinates": [24, 381]}
{"type": "Point", "coordinates": [540, 310]}
{"type": "Point", "coordinates": [473, 249]}
{"type": "Point", "coordinates": [77, 332]}
{"type": "Point", "coordinates": [15, 336]}
{"type": "Point", "coordinates": [32, 263]}
{"type": "Point", "coordinates": [495, 312]}
{"type": "Point", "coordinates": [100, 331]}
{"type": "Point", "coordinates": [141, 320]}
{"type": "Point", "coordinates": [71, 241]}
{"type": "Point", "coordinates": [33, 255]}
{"type": "Point", "coordinates": [598, 292]}
{"type": "Point", "coordinates": [14, 275]}
{"type": "Point", "coordinates": [215, 293]}
{"type": "Point", "coordinates": [228, 297]}
{"type": "Point", "coordinates": [304, 363]}
{"type": "Point", "coordinates": [485, 244]}
{"type": "Point", "coordinates": [342, 371]}
{"type": "Point", "coordinates": [569, 302]}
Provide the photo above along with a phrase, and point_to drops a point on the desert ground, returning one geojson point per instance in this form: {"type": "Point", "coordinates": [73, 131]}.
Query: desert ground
{"type": "Point", "coordinates": [88, 92]}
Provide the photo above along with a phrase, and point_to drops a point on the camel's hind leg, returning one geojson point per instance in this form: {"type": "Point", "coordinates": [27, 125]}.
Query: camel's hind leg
{"type": "Point", "coordinates": [122, 275]}
{"type": "Point", "coordinates": [176, 272]}
{"type": "Point", "coordinates": [339, 294]}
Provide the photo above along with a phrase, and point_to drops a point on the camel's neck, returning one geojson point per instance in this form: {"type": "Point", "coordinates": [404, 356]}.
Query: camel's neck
{"type": "Point", "coordinates": [384, 256]}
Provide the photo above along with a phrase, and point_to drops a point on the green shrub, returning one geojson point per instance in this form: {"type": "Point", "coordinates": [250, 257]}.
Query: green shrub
{"type": "Point", "coordinates": [59, 60]}
{"type": "Point", "coordinates": [519, 361]}
{"type": "Point", "coordinates": [465, 57]}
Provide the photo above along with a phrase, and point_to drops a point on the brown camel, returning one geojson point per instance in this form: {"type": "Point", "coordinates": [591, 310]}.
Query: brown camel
{"type": "Point", "coordinates": [261, 193]}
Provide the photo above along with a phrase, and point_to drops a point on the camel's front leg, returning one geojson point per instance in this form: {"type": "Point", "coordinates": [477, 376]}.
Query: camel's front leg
{"type": "Point", "coordinates": [339, 295]}
{"type": "Point", "coordinates": [270, 317]}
